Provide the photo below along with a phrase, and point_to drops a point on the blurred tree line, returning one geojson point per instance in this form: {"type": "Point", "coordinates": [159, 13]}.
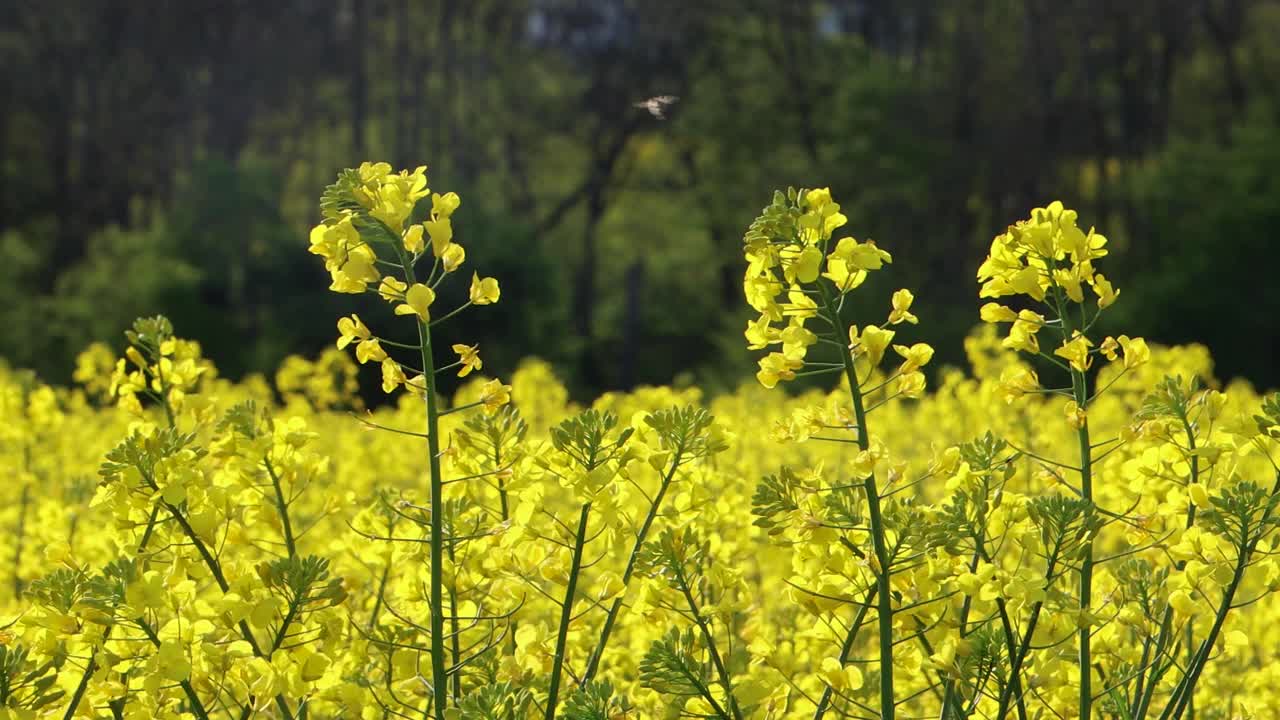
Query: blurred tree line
{"type": "Point", "coordinates": [167, 156]}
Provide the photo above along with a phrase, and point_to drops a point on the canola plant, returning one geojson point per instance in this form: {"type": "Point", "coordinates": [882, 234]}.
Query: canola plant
{"type": "Point", "coordinates": [1076, 526]}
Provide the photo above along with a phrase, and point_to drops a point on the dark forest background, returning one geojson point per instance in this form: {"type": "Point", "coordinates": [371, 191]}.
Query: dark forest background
{"type": "Point", "coordinates": [167, 156]}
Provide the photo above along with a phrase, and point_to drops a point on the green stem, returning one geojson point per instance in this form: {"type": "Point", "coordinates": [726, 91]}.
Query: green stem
{"type": "Point", "coordinates": [281, 507]}
{"type": "Point", "coordinates": [847, 647]}
{"type": "Point", "coordinates": [710, 639]}
{"type": "Point", "coordinates": [566, 611]}
{"type": "Point", "coordinates": [193, 699]}
{"type": "Point", "coordinates": [884, 607]}
{"type": "Point", "coordinates": [1144, 695]}
{"type": "Point", "coordinates": [439, 676]}
{"type": "Point", "coordinates": [1017, 658]}
{"type": "Point", "coordinates": [1080, 387]}
{"type": "Point", "coordinates": [1185, 691]}
{"type": "Point", "coordinates": [84, 680]}
{"type": "Point", "coordinates": [594, 663]}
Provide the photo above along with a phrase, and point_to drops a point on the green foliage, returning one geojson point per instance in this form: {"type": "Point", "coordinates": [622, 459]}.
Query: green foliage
{"type": "Point", "coordinates": [586, 438]}
{"type": "Point", "coordinates": [24, 685]}
{"type": "Point", "coordinates": [774, 496]}
{"type": "Point", "coordinates": [594, 701]}
{"type": "Point", "coordinates": [672, 666]}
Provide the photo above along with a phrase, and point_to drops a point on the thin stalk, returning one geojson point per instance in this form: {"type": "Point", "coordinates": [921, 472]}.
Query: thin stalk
{"type": "Point", "coordinates": [455, 636]}
{"type": "Point", "coordinates": [1079, 385]}
{"type": "Point", "coordinates": [594, 662]}
{"type": "Point", "coordinates": [847, 647]}
{"type": "Point", "coordinates": [281, 507]}
{"type": "Point", "coordinates": [439, 677]}
{"type": "Point", "coordinates": [197, 707]}
{"type": "Point", "coordinates": [215, 569]}
{"type": "Point", "coordinates": [502, 488]}
{"type": "Point", "coordinates": [884, 609]}
{"type": "Point", "coordinates": [155, 511]}
{"type": "Point", "coordinates": [566, 611]}
{"type": "Point", "coordinates": [83, 685]}
{"type": "Point", "coordinates": [949, 697]}
{"type": "Point", "coordinates": [1144, 696]}
{"type": "Point", "coordinates": [1016, 659]}
{"type": "Point", "coordinates": [1186, 689]}
{"type": "Point", "coordinates": [710, 639]}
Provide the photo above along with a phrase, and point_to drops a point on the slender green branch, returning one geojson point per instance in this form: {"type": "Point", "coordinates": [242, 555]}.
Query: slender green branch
{"type": "Point", "coordinates": [594, 661]}
{"type": "Point", "coordinates": [439, 677]}
{"type": "Point", "coordinates": [282, 507]}
{"type": "Point", "coordinates": [884, 610]}
{"type": "Point", "coordinates": [846, 648]}
{"type": "Point", "coordinates": [709, 638]}
{"type": "Point", "coordinates": [193, 699]}
{"type": "Point", "coordinates": [566, 611]}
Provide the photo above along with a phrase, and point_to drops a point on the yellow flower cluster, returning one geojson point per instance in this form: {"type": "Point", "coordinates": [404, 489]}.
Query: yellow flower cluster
{"type": "Point", "coordinates": [187, 547]}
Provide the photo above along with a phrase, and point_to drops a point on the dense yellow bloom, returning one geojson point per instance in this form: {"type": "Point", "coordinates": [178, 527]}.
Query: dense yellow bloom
{"type": "Point", "coordinates": [234, 555]}
{"type": "Point", "coordinates": [348, 259]}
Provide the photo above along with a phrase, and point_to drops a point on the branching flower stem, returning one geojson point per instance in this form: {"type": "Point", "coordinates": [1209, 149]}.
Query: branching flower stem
{"type": "Point", "coordinates": [884, 606]}
{"type": "Point", "coordinates": [439, 677]}
{"type": "Point", "coordinates": [594, 663]}
{"type": "Point", "coordinates": [566, 611]}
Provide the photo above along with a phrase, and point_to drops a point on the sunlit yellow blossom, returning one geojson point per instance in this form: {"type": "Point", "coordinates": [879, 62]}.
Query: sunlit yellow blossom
{"type": "Point", "coordinates": [914, 357]}
{"type": "Point", "coordinates": [391, 289]}
{"type": "Point", "coordinates": [494, 395]}
{"type": "Point", "coordinates": [453, 257]}
{"type": "Point", "coordinates": [441, 233]}
{"type": "Point", "coordinates": [1076, 352]}
{"type": "Point", "coordinates": [442, 206]}
{"type": "Point", "coordinates": [901, 312]}
{"type": "Point", "coordinates": [1106, 293]}
{"type": "Point", "coordinates": [997, 313]}
{"type": "Point", "coordinates": [871, 342]}
{"type": "Point", "coordinates": [484, 292]}
{"type": "Point", "coordinates": [807, 264]}
{"type": "Point", "coordinates": [413, 242]}
{"type": "Point", "coordinates": [1022, 334]}
{"type": "Point", "coordinates": [417, 301]}
{"type": "Point", "coordinates": [1136, 351]}
{"type": "Point", "coordinates": [776, 367]}
{"type": "Point", "coordinates": [392, 376]}
{"type": "Point", "coordinates": [469, 358]}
